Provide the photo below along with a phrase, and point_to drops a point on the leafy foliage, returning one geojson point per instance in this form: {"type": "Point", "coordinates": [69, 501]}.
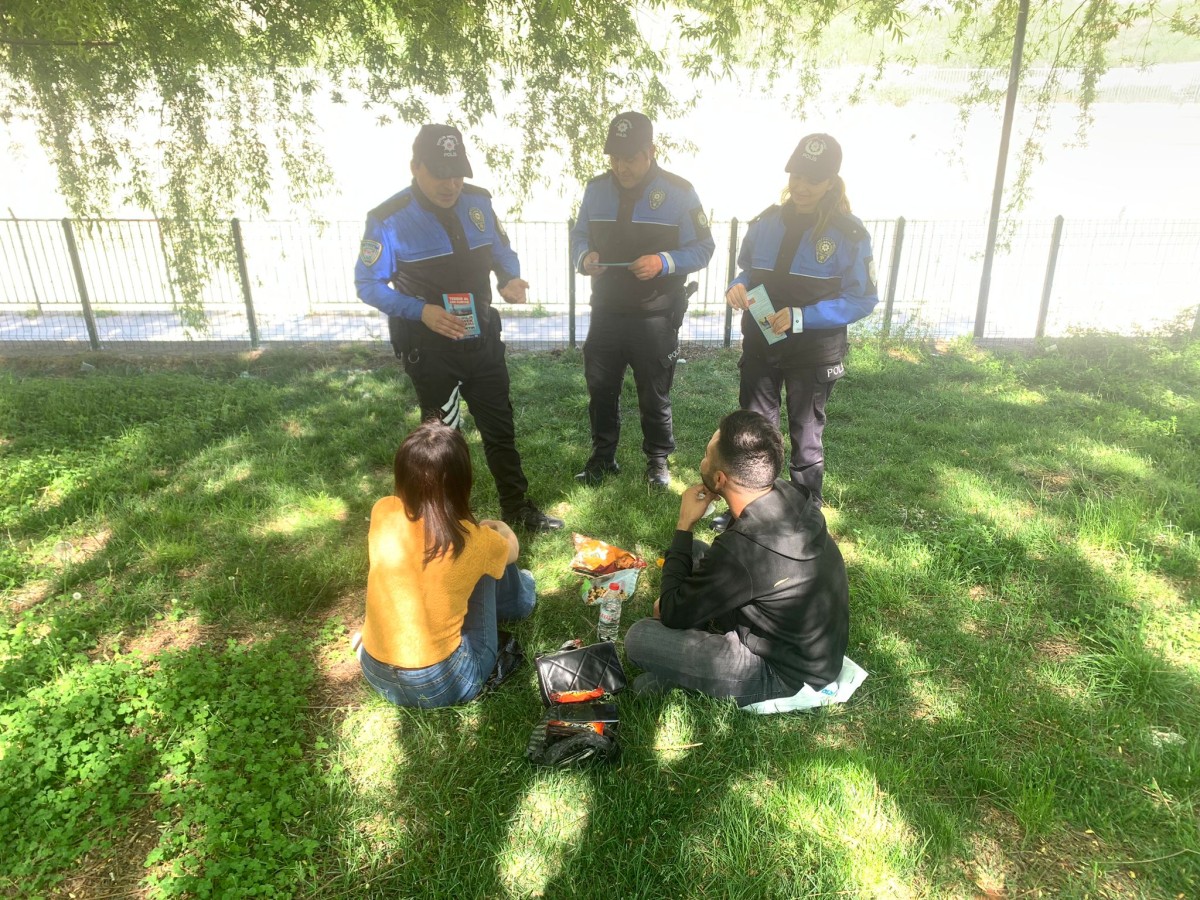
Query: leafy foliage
{"type": "Point", "coordinates": [233, 83]}
{"type": "Point", "coordinates": [210, 742]}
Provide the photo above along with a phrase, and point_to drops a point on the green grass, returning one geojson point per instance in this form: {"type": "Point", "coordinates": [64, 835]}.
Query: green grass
{"type": "Point", "coordinates": [182, 557]}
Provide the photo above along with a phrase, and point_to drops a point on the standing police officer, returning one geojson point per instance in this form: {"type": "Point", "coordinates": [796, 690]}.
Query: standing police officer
{"type": "Point", "coordinates": [814, 259]}
{"type": "Point", "coordinates": [439, 237]}
{"type": "Point", "coordinates": [639, 231]}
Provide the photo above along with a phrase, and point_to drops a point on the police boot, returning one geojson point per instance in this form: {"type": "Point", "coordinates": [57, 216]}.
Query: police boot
{"type": "Point", "coordinates": [657, 476]}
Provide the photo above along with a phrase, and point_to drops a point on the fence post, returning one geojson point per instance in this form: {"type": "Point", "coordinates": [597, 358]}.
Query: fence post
{"type": "Point", "coordinates": [893, 274]}
{"type": "Point", "coordinates": [37, 297]}
{"type": "Point", "coordinates": [570, 289]}
{"type": "Point", "coordinates": [239, 250]}
{"type": "Point", "coordinates": [1048, 284]}
{"type": "Point", "coordinates": [89, 319]}
{"type": "Point", "coordinates": [731, 273]}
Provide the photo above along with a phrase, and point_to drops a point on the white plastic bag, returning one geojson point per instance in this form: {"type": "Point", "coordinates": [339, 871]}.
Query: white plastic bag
{"type": "Point", "coordinates": [839, 691]}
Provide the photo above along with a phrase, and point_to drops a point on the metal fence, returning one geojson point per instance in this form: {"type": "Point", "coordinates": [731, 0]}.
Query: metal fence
{"type": "Point", "coordinates": [107, 283]}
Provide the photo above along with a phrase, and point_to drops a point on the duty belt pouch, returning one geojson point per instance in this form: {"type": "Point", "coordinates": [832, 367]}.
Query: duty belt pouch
{"type": "Point", "coordinates": [574, 668]}
{"type": "Point", "coordinates": [680, 307]}
{"type": "Point", "coordinates": [400, 336]}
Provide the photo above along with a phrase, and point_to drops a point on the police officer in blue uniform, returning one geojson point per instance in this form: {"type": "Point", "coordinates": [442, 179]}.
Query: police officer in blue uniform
{"type": "Point", "coordinates": [814, 259]}
{"type": "Point", "coordinates": [440, 237]}
{"type": "Point", "coordinates": [640, 230]}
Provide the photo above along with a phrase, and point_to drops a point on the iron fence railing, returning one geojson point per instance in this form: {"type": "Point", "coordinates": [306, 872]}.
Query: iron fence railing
{"type": "Point", "coordinates": [107, 282]}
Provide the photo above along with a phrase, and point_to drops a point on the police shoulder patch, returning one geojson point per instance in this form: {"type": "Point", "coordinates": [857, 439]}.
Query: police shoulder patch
{"type": "Point", "coordinates": [369, 252]}
{"type": "Point", "coordinates": [477, 219]}
{"type": "Point", "coordinates": [700, 219]}
{"type": "Point", "coordinates": [871, 271]}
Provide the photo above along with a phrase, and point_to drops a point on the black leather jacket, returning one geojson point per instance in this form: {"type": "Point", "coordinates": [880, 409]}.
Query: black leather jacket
{"type": "Point", "coordinates": [777, 578]}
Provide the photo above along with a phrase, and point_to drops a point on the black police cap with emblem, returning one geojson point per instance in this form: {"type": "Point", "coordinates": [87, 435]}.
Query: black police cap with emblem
{"type": "Point", "coordinates": [441, 149]}
{"type": "Point", "coordinates": [628, 133]}
{"type": "Point", "coordinates": [816, 157]}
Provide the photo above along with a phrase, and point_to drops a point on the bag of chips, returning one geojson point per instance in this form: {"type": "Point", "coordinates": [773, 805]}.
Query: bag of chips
{"type": "Point", "coordinates": [593, 557]}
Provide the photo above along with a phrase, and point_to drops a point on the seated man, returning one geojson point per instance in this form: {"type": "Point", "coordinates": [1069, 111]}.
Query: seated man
{"type": "Point", "coordinates": [766, 609]}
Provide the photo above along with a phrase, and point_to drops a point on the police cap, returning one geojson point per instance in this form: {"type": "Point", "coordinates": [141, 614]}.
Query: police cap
{"type": "Point", "coordinates": [441, 149]}
{"type": "Point", "coordinates": [628, 133]}
{"type": "Point", "coordinates": [816, 157]}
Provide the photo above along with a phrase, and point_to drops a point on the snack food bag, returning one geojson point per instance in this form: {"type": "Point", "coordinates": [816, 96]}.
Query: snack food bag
{"type": "Point", "coordinates": [593, 588]}
{"type": "Point", "coordinates": [593, 557]}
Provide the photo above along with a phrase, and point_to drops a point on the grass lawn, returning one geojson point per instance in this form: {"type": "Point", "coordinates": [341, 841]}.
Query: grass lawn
{"type": "Point", "coordinates": [183, 557]}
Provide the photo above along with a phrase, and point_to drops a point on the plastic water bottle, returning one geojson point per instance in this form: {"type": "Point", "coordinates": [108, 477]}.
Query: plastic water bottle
{"type": "Point", "coordinates": [610, 613]}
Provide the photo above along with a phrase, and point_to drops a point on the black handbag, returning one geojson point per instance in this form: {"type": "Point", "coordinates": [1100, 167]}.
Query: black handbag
{"type": "Point", "coordinates": [574, 668]}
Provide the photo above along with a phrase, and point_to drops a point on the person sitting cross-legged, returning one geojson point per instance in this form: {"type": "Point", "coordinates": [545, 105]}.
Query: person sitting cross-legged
{"type": "Point", "coordinates": [766, 609]}
{"type": "Point", "coordinates": [439, 580]}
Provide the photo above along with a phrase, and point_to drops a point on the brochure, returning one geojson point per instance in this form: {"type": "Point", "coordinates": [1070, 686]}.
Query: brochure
{"type": "Point", "coordinates": [760, 308]}
{"type": "Point", "coordinates": [463, 306]}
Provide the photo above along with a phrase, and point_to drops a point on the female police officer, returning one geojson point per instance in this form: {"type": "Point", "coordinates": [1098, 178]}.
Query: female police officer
{"type": "Point", "coordinates": [814, 260]}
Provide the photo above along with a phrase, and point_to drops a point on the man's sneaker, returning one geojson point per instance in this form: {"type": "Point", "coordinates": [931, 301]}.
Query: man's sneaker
{"type": "Point", "coordinates": [721, 522]}
{"type": "Point", "coordinates": [597, 470]}
{"type": "Point", "coordinates": [529, 518]}
{"type": "Point", "coordinates": [657, 476]}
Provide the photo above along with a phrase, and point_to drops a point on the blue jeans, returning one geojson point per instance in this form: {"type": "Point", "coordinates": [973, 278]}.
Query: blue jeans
{"type": "Point", "coordinates": [460, 677]}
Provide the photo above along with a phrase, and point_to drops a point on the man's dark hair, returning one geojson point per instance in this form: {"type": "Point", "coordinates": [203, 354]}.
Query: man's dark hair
{"type": "Point", "coordinates": [750, 449]}
{"type": "Point", "coordinates": [432, 469]}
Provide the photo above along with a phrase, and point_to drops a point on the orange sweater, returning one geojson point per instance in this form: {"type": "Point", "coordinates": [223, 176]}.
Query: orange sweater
{"type": "Point", "coordinates": [415, 612]}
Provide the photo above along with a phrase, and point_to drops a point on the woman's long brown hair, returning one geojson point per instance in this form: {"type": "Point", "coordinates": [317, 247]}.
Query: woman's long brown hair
{"type": "Point", "coordinates": [835, 200]}
{"type": "Point", "coordinates": [433, 479]}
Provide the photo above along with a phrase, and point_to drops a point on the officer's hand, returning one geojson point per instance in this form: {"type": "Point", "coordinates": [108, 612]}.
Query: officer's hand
{"type": "Point", "coordinates": [646, 267]}
{"type": "Point", "coordinates": [514, 291]}
{"type": "Point", "coordinates": [737, 297]}
{"type": "Point", "coordinates": [441, 322]}
{"type": "Point", "coordinates": [693, 505]}
{"type": "Point", "coordinates": [781, 322]}
{"type": "Point", "coordinates": [591, 264]}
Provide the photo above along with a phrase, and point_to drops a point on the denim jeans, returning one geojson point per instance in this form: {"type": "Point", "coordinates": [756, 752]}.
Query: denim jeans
{"type": "Point", "coordinates": [460, 677]}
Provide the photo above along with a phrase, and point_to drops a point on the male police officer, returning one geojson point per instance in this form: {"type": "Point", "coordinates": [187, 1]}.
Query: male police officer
{"type": "Point", "coordinates": [639, 231]}
{"type": "Point", "coordinates": [435, 238]}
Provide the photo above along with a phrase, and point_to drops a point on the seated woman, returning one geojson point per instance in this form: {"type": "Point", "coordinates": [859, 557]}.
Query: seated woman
{"type": "Point", "coordinates": [438, 580]}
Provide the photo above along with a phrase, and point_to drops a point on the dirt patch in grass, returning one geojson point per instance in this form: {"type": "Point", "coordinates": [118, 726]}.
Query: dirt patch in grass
{"type": "Point", "coordinates": [1056, 649]}
{"type": "Point", "coordinates": [30, 595]}
{"type": "Point", "coordinates": [117, 871]}
{"type": "Point", "coordinates": [339, 683]}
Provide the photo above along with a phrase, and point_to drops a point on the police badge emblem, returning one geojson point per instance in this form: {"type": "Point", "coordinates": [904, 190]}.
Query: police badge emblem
{"type": "Point", "coordinates": [623, 127]}
{"type": "Point", "coordinates": [814, 148]}
{"type": "Point", "coordinates": [825, 249]}
{"type": "Point", "coordinates": [476, 215]}
{"type": "Point", "coordinates": [657, 198]}
{"type": "Point", "coordinates": [448, 144]}
{"type": "Point", "coordinates": [369, 252]}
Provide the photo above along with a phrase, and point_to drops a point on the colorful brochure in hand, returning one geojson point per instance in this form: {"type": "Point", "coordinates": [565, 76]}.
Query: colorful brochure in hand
{"type": "Point", "coordinates": [760, 308]}
{"type": "Point", "coordinates": [463, 306]}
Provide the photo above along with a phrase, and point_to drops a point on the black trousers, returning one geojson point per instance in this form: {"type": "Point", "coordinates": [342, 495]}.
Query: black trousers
{"type": "Point", "coordinates": [480, 376]}
{"type": "Point", "coordinates": [648, 346]}
{"type": "Point", "coordinates": [808, 388]}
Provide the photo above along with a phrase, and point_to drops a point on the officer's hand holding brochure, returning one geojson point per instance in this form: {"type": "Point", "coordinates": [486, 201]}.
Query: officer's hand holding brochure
{"type": "Point", "coordinates": [761, 308]}
{"type": "Point", "coordinates": [463, 306]}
